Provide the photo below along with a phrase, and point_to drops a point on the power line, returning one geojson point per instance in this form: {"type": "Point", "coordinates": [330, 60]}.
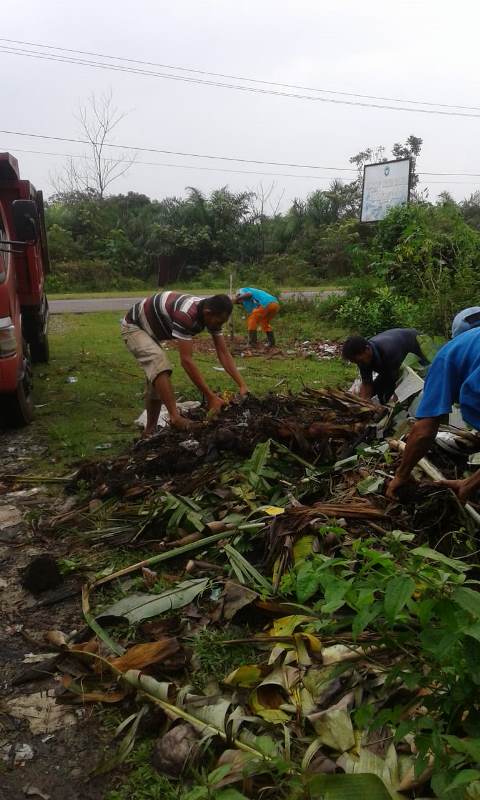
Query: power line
{"type": "Point", "coordinates": [202, 82]}
{"type": "Point", "coordinates": [238, 77]}
{"type": "Point", "coordinates": [135, 163]}
{"type": "Point", "coordinates": [72, 140]}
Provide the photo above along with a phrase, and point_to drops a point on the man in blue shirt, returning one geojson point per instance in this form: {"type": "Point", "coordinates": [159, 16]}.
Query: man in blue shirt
{"type": "Point", "coordinates": [261, 308]}
{"type": "Point", "coordinates": [454, 377]}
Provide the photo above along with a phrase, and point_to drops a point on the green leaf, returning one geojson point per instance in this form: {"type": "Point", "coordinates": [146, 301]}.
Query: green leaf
{"type": "Point", "coordinates": [218, 774]}
{"type": "Point", "coordinates": [307, 582]}
{"type": "Point", "coordinates": [364, 617]}
{"type": "Point", "coordinates": [370, 484]}
{"type": "Point", "coordinates": [464, 778]}
{"type": "Point", "coordinates": [136, 607]}
{"type": "Point", "coordinates": [229, 794]}
{"type": "Point", "coordinates": [345, 463]}
{"type": "Point", "coordinates": [433, 555]}
{"type": "Point", "coordinates": [348, 787]}
{"type": "Point", "coordinates": [245, 572]}
{"type": "Point", "coordinates": [197, 793]}
{"type": "Point", "coordinates": [468, 599]}
{"type": "Point", "coordinates": [335, 591]}
{"type": "Point", "coordinates": [399, 591]}
{"type": "Point", "coordinates": [110, 761]}
{"type": "Point", "coordinates": [469, 746]}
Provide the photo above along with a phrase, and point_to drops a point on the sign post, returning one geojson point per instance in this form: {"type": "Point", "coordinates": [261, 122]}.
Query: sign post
{"type": "Point", "coordinates": [385, 185]}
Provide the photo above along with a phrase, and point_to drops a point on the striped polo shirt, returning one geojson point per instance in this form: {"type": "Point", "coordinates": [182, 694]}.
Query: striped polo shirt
{"type": "Point", "coordinates": [170, 315]}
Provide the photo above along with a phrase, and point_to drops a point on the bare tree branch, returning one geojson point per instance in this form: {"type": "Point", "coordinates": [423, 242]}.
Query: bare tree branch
{"type": "Point", "coordinates": [93, 172]}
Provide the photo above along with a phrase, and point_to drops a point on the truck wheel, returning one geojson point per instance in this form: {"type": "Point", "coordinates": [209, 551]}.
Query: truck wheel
{"type": "Point", "coordinates": [18, 406]}
{"type": "Point", "coordinates": [39, 350]}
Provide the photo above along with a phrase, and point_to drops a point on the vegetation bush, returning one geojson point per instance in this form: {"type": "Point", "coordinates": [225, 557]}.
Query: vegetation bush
{"type": "Point", "coordinates": [91, 276]}
{"type": "Point", "coordinates": [376, 310]}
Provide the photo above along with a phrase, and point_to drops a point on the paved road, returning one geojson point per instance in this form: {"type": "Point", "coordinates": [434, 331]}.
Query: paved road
{"type": "Point", "coordinates": [124, 303]}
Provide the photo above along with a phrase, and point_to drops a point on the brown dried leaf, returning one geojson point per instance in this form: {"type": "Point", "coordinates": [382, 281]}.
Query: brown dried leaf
{"type": "Point", "coordinates": [143, 655]}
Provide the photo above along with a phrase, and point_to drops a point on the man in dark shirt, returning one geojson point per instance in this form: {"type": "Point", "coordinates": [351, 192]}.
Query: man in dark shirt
{"type": "Point", "coordinates": [383, 354]}
{"type": "Point", "coordinates": [174, 315]}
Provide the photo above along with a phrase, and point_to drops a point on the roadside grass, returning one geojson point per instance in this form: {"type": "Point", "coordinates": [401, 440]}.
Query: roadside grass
{"type": "Point", "coordinates": [93, 416]}
{"type": "Point", "coordinates": [339, 283]}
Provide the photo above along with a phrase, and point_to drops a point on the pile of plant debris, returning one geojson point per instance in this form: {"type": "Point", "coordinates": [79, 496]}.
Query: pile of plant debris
{"type": "Point", "coordinates": [323, 425]}
{"type": "Point", "coordinates": [283, 631]}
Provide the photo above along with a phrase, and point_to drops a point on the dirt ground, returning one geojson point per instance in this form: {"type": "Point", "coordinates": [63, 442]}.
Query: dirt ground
{"type": "Point", "coordinates": [54, 759]}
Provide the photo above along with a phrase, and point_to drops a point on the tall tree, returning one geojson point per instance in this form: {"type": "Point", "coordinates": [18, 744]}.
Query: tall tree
{"type": "Point", "coordinates": [90, 174]}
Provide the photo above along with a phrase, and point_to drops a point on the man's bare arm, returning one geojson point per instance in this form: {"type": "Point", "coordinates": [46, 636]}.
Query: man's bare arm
{"type": "Point", "coordinates": [226, 360]}
{"type": "Point", "coordinates": [185, 348]}
{"type": "Point", "coordinates": [464, 488]}
{"type": "Point", "coordinates": [420, 440]}
{"type": "Point", "coordinates": [366, 391]}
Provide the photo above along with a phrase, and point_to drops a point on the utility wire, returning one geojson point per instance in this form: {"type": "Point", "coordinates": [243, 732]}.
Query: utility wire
{"type": "Point", "coordinates": [238, 77]}
{"type": "Point", "coordinates": [202, 82]}
{"type": "Point", "coordinates": [134, 163]}
{"type": "Point", "coordinates": [220, 158]}
{"type": "Point", "coordinates": [178, 153]}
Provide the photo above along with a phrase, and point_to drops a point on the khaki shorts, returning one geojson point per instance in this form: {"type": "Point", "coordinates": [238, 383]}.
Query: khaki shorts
{"type": "Point", "coordinates": [150, 354]}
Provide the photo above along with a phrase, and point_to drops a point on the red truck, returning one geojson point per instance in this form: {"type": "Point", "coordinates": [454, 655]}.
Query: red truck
{"type": "Point", "coordinates": [23, 303]}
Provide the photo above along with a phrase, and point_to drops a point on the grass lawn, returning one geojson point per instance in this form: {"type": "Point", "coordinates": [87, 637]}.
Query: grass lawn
{"type": "Point", "coordinates": [100, 407]}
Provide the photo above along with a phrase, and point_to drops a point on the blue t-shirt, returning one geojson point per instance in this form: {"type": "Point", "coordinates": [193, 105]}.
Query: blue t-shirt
{"type": "Point", "coordinates": [454, 377]}
{"type": "Point", "coordinates": [258, 298]}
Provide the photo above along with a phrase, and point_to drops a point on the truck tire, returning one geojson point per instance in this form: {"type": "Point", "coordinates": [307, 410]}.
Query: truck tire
{"type": "Point", "coordinates": [19, 408]}
{"type": "Point", "coordinates": [39, 350]}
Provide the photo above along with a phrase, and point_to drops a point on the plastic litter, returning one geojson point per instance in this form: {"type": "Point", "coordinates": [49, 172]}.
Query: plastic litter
{"type": "Point", "coordinates": [163, 418]}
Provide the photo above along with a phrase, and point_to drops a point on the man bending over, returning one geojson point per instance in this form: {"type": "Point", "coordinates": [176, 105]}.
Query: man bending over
{"type": "Point", "coordinates": [454, 377]}
{"type": "Point", "coordinates": [383, 354]}
{"type": "Point", "coordinates": [173, 315]}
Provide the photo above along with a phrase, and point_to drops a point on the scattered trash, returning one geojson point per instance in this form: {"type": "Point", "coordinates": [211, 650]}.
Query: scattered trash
{"type": "Point", "coordinates": [71, 379]}
{"type": "Point", "coordinates": [163, 419]}
{"type": "Point", "coordinates": [16, 754]}
{"type": "Point", "coordinates": [105, 446]}
{"type": "Point", "coordinates": [37, 658]}
{"type": "Point", "coordinates": [222, 369]}
{"type": "Point", "coordinates": [41, 574]}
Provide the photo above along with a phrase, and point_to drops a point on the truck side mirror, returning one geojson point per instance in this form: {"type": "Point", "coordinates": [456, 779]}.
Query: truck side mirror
{"type": "Point", "coordinates": [26, 220]}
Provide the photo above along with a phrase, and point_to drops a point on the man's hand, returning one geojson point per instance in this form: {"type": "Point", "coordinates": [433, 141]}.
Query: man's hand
{"type": "Point", "coordinates": [243, 390]}
{"type": "Point", "coordinates": [395, 484]}
{"type": "Point", "coordinates": [215, 403]}
{"type": "Point", "coordinates": [460, 487]}
{"type": "Point", "coordinates": [401, 488]}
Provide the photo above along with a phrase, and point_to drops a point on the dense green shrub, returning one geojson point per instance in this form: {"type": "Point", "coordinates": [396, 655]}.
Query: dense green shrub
{"type": "Point", "coordinates": [377, 310]}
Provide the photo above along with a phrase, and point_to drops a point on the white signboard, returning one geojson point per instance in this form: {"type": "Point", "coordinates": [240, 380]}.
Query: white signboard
{"type": "Point", "coordinates": [384, 186]}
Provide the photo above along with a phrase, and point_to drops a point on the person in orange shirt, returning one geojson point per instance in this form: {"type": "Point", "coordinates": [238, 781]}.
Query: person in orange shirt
{"type": "Point", "coordinates": [261, 308]}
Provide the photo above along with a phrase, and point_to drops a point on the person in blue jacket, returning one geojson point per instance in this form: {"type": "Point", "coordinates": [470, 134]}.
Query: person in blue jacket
{"type": "Point", "coordinates": [454, 377]}
{"type": "Point", "coordinates": [261, 308]}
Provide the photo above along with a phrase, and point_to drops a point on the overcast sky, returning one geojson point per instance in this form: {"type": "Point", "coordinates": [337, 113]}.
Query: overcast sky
{"type": "Point", "coordinates": [414, 49]}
